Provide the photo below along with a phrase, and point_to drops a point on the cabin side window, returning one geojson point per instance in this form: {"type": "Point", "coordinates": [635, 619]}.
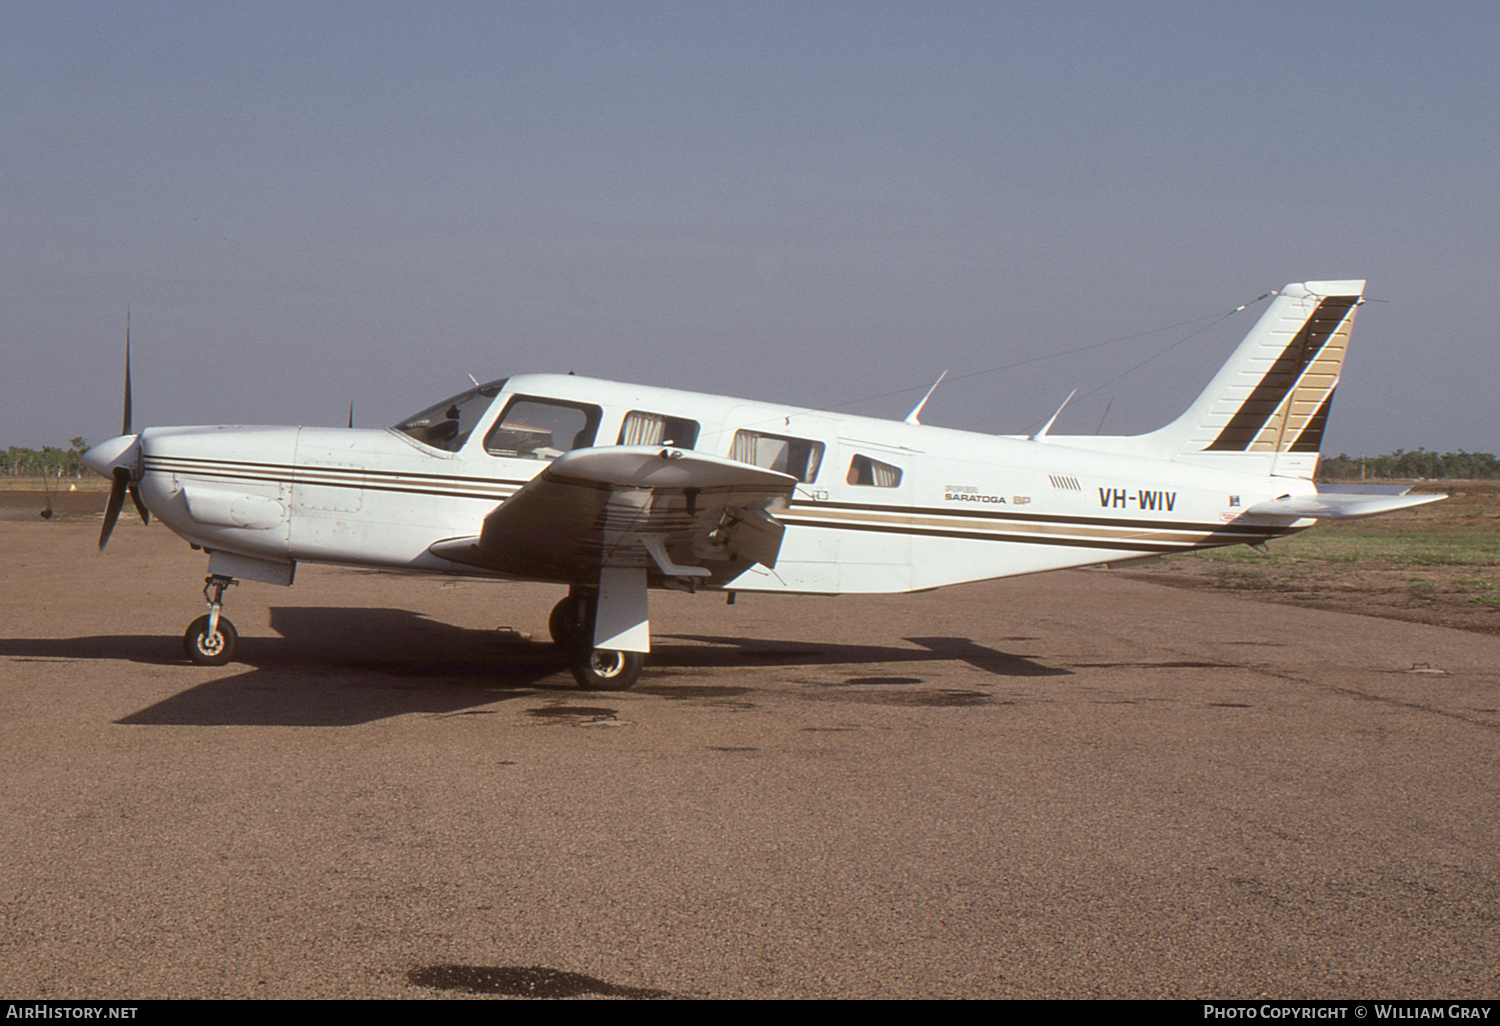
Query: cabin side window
{"type": "Point", "coordinates": [657, 429]}
{"type": "Point", "coordinates": [798, 457]}
{"type": "Point", "coordinates": [865, 471]}
{"type": "Point", "coordinates": [542, 429]}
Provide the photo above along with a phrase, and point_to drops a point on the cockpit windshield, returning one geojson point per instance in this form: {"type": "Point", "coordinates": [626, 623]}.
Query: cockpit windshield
{"type": "Point", "coordinates": [448, 424]}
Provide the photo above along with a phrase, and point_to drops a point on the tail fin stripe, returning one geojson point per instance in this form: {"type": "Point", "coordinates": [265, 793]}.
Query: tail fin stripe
{"type": "Point", "coordinates": [1311, 436]}
{"type": "Point", "coordinates": [1283, 378]}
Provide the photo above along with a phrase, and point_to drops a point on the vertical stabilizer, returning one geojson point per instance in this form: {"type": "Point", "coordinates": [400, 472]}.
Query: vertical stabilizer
{"type": "Point", "coordinates": [1266, 409]}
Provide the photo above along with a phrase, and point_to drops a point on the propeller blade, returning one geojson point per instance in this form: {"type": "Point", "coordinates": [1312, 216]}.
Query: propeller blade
{"type": "Point", "coordinates": [140, 507]}
{"type": "Point", "coordinates": [125, 423]}
{"type": "Point", "coordinates": [116, 500]}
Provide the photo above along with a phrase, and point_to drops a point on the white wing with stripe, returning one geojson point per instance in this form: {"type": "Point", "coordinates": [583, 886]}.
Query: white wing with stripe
{"type": "Point", "coordinates": [679, 515]}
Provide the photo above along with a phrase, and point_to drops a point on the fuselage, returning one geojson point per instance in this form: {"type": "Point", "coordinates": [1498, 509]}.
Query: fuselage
{"type": "Point", "coordinates": [880, 506]}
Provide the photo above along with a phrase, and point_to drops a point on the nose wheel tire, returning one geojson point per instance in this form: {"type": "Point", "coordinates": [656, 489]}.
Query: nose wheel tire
{"type": "Point", "coordinates": [605, 670]}
{"type": "Point", "coordinates": [210, 649]}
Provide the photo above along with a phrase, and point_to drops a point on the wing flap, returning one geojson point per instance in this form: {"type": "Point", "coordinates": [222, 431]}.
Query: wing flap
{"type": "Point", "coordinates": [675, 513]}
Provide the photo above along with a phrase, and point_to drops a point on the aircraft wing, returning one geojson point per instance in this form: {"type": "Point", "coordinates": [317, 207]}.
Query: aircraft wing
{"type": "Point", "coordinates": [676, 513]}
{"type": "Point", "coordinates": [1338, 505]}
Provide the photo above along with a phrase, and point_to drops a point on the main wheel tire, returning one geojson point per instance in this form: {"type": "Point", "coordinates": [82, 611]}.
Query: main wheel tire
{"type": "Point", "coordinates": [567, 630]}
{"type": "Point", "coordinates": [606, 670]}
{"type": "Point", "coordinates": [210, 650]}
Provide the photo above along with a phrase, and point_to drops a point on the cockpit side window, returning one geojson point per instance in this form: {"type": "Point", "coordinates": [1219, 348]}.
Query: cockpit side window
{"type": "Point", "coordinates": [657, 429]}
{"type": "Point", "coordinates": [448, 424]}
{"type": "Point", "coordinates": [542, 429]}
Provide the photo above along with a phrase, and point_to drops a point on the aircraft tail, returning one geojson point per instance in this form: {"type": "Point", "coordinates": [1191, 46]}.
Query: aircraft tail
{"type": "Point", "coordinates": [1265, 410]}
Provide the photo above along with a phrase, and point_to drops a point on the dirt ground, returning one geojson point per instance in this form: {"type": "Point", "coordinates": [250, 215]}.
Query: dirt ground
{"type": "Point", "coordinates": [1075, 785]}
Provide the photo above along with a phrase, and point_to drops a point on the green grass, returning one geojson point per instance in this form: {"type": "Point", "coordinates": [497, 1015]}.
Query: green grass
{"type": "Point", "coordinates": [1350, 544]}
{"type": "Point", "coordinates": [1483, 592]}
{"type": "Point", "coordinates": [86, 483]}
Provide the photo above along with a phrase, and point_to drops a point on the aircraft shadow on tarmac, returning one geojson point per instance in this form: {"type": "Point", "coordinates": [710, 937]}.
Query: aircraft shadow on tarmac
{"type": "Point", "coordinates": [522, 981]}
{"type": "Point", "coordinates": [341, 667]}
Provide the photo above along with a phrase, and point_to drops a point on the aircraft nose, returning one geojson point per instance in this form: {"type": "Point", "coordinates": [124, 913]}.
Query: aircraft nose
{"type": "Point", "coordinates": [124, 451]}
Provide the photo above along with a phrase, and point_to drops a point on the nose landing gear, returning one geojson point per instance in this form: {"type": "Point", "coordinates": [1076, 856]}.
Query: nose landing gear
{"type": "Point", "coordinates": [211, 639]}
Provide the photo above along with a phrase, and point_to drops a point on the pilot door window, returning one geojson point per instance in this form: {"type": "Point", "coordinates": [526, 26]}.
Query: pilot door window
{"type": "Point", "coordinates": [542, 429]}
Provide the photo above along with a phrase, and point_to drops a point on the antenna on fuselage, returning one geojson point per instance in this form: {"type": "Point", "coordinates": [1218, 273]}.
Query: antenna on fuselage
{"type": "Point", "coordinates": [911, 418]}
{"type": "Point", "coordinates": [1048, 426]}
{"type": "Point", "coordinates": [351, 412]}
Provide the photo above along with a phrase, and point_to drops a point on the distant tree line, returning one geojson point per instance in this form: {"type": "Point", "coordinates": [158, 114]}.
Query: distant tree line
{"type": "Point", "coordinates": [1409, 465]}
{"type": "Point", "coordinates": [48, 461]}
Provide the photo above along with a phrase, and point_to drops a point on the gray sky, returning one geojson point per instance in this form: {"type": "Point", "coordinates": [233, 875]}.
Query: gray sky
{"type": "Point", "coordinates": [304, 204]}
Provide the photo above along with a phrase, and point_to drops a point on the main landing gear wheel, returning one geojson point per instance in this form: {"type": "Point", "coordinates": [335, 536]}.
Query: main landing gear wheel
{"type": "Point", "coordinates": [605, 670]}
{"type": "Point", "coordinates": [597, 669]}
{"type": "Point", "coordinates": [207, 649]}
{"type": "Point", "coordinates": [569, 631]}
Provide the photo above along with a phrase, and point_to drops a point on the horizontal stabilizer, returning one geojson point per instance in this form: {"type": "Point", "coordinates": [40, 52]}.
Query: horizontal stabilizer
{"type": "Point", "coordinates": [1338, 505]}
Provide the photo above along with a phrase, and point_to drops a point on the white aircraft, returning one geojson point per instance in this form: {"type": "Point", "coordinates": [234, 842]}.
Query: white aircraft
{"type": "Point", "coordinates": [613, 489]}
